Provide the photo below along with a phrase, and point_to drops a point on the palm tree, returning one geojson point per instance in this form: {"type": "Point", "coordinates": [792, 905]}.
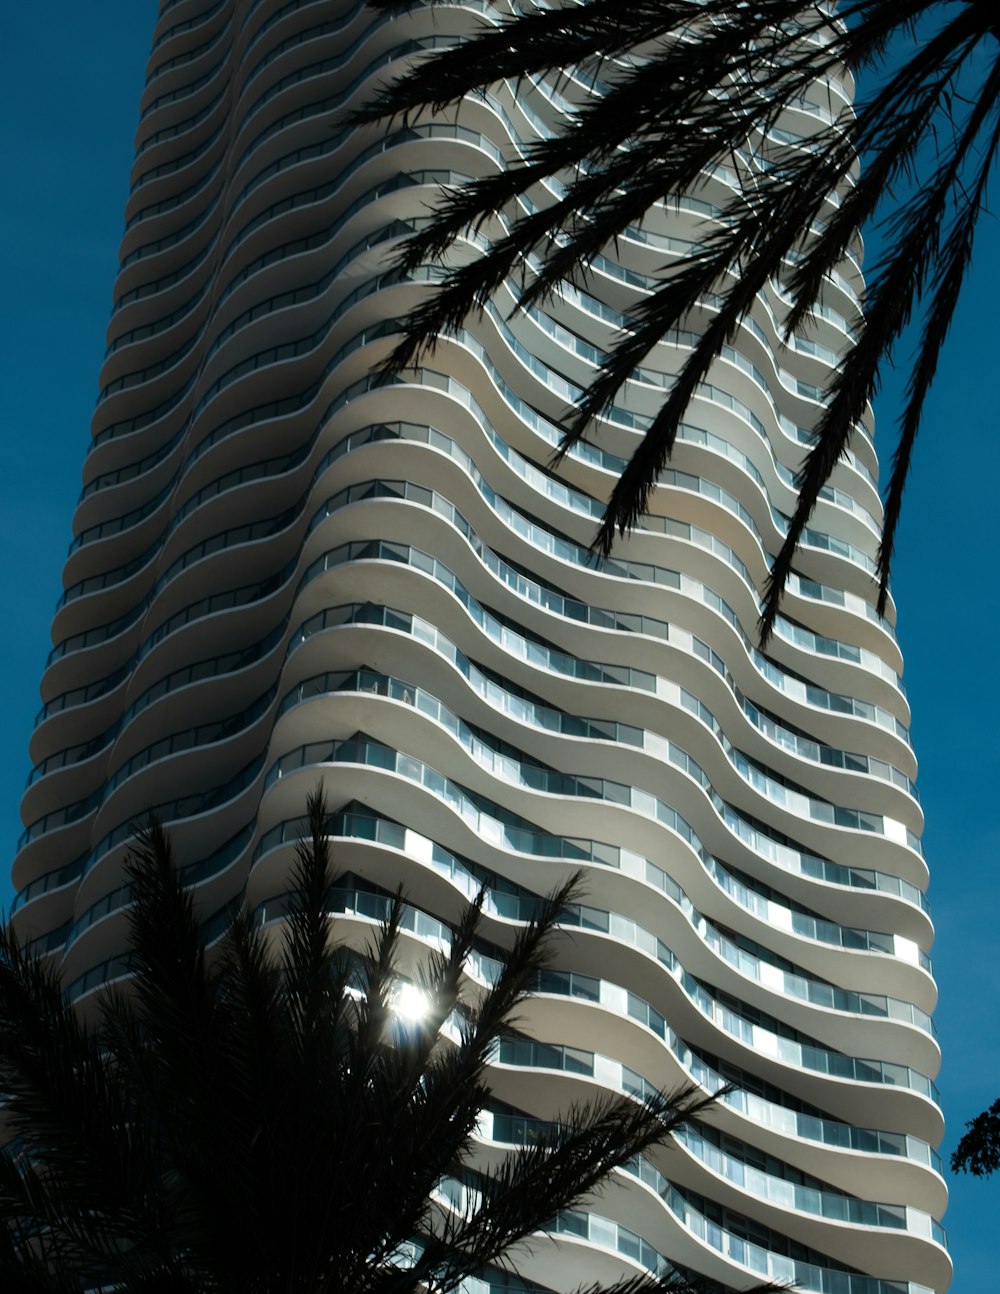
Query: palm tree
{"type": "Point", "coordinates": [257, 1116]}
{"type": "Point", "coordinates": [688, 85]}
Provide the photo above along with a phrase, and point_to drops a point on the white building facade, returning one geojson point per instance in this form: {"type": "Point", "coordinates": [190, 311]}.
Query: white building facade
{"type": "Point", "coordinates": [285, 571]}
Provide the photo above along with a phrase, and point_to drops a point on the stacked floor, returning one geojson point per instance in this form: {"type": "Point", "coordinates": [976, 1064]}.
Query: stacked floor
{"type": "Point", "coordinates": [284, 571]}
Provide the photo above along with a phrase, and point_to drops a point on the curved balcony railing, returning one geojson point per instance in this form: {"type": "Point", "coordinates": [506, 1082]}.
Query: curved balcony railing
{"type": "Point", "coordinates": [371, 826]}
{"type": "Point", "coordinates": [783, 1192]}
{"type": "Point", "coordinates": [520, 772]}
{"type": "Point", "coordinates": [251, 306]}
{"type": "Point", "coordinates": [385, 550]}
{"type": "Point", "coordinates": [786, 1049]}
{"type": "Point", "coordinates": [515, 835]}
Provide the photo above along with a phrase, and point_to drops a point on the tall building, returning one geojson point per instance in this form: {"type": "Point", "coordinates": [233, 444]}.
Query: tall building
{"type": "Point", "coordinates": [283, 571]}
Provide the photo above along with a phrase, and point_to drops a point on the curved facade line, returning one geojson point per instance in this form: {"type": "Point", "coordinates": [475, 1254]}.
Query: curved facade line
{"type": "Point", "coordinates": [286, 569]}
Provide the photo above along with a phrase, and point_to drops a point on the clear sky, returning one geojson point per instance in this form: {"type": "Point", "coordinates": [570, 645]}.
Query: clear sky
{"type": "Point", "coordinates": [70, 79]}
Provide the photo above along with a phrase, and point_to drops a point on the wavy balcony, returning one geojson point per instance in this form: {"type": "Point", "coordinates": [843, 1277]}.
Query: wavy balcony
{"type": "Point", "coordinates": [285, 568]}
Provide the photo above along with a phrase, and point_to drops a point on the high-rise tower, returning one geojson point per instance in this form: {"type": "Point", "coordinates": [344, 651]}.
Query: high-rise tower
{"type": "Point", "coordinates": [283, 571]}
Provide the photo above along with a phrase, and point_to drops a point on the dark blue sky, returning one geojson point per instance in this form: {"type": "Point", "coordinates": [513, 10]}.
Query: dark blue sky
{"type": "Point", "coordinates": [70, 78]}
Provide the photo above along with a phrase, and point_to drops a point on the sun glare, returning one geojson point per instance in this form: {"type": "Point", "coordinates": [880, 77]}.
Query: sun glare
{"type": "Point", "coordinates": [410, 1003]}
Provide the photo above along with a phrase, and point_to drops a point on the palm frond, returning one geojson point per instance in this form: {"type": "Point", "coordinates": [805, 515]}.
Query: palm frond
{"type": "Point", "coordinates": [303, 1140]}
{"type": "Point", "coordinates": [174, 994]}
{"type": "Point", "coordinates": [724, 75]}
{"type": "Point", "coordinates": [561, 1168]}
{"type": "Point", "coordinates": [308, 957]}
{"type": "Point", "coordinates": [948, 273]}
{"type": "Point", "coordinates": [73, 1118]}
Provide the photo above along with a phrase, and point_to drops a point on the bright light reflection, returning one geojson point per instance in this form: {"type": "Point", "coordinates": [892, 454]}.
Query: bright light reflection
{"type": "Point", "coordinates": [410, 1003]}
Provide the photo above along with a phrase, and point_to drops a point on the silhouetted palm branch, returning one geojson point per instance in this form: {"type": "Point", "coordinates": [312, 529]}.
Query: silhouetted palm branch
{"type": "Point", "coordinates": [253, 1116]}
{"type": "Point", "coordinates": [687, 86]}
